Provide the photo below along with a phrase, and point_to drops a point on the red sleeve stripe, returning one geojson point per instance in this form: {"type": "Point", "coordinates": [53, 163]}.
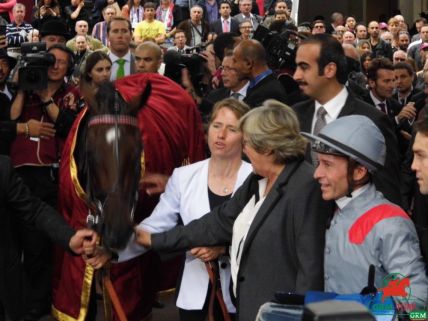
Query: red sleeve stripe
{"type": "Point", "coordinates": [366, 222]}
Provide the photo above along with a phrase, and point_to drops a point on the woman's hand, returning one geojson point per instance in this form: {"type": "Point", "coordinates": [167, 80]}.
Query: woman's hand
{"type": "Point", "coordinates": [143, 237]}
{"type": "Point", "coordinates": [206, 254]}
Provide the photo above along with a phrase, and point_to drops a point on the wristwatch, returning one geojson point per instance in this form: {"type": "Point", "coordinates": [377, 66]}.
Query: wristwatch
{"type": "Point", "coordinates": [47, 103]}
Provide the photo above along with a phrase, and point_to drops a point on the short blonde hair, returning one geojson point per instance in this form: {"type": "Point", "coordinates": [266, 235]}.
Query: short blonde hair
{"type": "Point", "coordinates": [274, 128]}
{"type": "Point", "coordinates": [237, 107]}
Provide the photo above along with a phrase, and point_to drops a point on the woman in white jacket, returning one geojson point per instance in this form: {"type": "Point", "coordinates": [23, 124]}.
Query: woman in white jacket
{"type": "Point", "coordinates": [193, 191]}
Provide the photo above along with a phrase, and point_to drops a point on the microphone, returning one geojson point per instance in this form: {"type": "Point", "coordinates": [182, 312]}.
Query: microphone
{"type": "Point", "coordinates": [370, 288]}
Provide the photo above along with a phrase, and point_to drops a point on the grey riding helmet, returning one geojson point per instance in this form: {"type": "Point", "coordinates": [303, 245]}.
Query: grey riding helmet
{"type": "Point", "coordinates": [355, 136]}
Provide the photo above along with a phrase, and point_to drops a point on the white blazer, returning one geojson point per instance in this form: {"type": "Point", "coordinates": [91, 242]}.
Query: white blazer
{"type": "Point", "coordinates": [186, 198]}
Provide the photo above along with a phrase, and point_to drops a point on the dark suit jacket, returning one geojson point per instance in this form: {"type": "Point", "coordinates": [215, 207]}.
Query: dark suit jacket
{"type": "Point", "coordinates": [217, 26]}
{"type": "Point", "coordinates": [209, 100]}
{"type": "Point", "coordinates": [387, 179]}
{"type": "Point", "coordinates": [392, 105]}
{"type": "Point", "coordinates": [393, 109]}
{"type": "Point", "coordinates": [7, 127]}
{"type": "Point", "coordinates": [284, 247]}
{"type": "Point", "coordinates": [16, 201]}
{"type": "Point", "coordinates": [267, 88]}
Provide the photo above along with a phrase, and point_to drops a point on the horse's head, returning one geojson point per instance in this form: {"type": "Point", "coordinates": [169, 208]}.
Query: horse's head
{"type": "Point", "coordinates": [113, 149]}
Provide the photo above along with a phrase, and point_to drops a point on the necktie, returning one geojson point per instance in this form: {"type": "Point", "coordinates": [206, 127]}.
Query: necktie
{"type": "Point", "coordinates": [320, 122]}
{"type": "Point", "coordinates": [236, 95]}
{"type": "Point", "coordinates": [225, 26]}
{"type": "Point", "coordinates": [121, 70]}
{"type": "Point", "coordinates": [382, 107]}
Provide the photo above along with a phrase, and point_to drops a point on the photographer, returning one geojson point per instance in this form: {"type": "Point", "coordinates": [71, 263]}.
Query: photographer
{"type": "Point", "coordinates": [193, 70]}
{"type": "Point", "coordinates": [36, 159]}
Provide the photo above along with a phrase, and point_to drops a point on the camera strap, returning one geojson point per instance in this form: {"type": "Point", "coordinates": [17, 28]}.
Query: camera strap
{"type": "Point", "coordinates": [200, 33]}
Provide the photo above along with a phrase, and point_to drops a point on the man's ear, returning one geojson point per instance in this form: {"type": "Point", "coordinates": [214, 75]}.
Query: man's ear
{"type": "Point", "coordinates": [330, 70]}
{"type": "Point", "coordinates": [359, 173]}
{"type": "Point", "coordinates": [371, 83]}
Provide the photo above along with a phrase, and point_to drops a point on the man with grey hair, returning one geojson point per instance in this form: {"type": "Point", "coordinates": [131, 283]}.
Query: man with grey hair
{"type": "Point", "coordinates": [245, 8]}
{"type": "Point", "coordinates": [399, 56]}
{"type": "Point", "coordinates": [336, 20]}
{"type": "Point", "coordinates": [196, 29]}
{"type": "Point", "coordinates": [17, 31]}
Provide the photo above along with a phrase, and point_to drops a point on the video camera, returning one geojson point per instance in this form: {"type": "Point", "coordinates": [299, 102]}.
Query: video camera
{"type": "Point", "coordinates": [175, 62]}
{"type": "Point", "coordinates": [33, 66]}
{"type": "Point", "coordinates": [281, 47]}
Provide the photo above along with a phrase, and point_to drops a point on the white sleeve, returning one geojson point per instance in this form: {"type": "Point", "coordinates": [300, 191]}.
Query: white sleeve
{"type": "Point", "coordinates": [164, 217]}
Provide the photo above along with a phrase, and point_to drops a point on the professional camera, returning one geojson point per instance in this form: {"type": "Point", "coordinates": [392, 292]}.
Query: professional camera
{"type": "Point", "coordinates": [33, 66]}
{"type": "Point", "coordinates": [195, 49]}
{"type": "Point", "coordinates": [280, 47]}
{"type": "Point", "coordinates": [175, 62]}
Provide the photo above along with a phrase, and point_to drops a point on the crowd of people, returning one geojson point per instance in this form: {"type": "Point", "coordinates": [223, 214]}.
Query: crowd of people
{"type": "Point", "coordinates": [298, 198]}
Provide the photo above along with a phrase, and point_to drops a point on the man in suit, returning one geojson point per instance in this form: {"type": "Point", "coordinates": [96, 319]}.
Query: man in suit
{"type": "Point", "coordinates": [225, 23]}
{"type": "Point", "coordinates": [249, 60]}
{"type": "Point", "coordinates": [119, 33]}
{"type": "Point", "coordinates": [17, 202]}
{"type": "Point", "coordinates": [321, 74]}
{"type": "Point", "coordinates": [381, 82]}
{"type": "Point", "coordinates": [180, 42]}
{"type": "Point", "coordinates": [233, 87]}
{"type": "Point", "coordinates": [336, 19]}
{"type": "Point", "coordinates": [411, 99]}
{"type": "Point", "coordinates": [245, 7]}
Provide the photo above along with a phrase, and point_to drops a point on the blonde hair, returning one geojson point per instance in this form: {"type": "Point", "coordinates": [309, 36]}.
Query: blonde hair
{"type": "Point", "coordinates": [274, 128]}
{"type": "Point", "coordinates": [237, 107]}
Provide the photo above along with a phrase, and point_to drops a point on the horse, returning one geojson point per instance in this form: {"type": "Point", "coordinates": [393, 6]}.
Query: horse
{"type": "Point", "coordinates": [101, 164]}
{"type": "Point", "coordinates": [113, 151]}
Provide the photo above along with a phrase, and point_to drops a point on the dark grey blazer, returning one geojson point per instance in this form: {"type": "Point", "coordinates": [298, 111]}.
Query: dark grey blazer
{"type": "Point", "coordinates": [387, 180]}
{"type": "Point", "coordinates": [284, 248]}
{"type": "Point", "coordinates": [16, 202]}
{"type": "Point", "coordinates": [217, 26]}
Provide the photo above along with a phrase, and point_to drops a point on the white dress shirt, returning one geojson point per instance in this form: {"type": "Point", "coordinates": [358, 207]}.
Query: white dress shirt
{"type": "Point", "coordinates": [332, 107]}
{"type": "Point", "coordinates": [115, 65]}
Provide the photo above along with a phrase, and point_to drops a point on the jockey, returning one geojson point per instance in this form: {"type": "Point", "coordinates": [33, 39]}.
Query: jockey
{"type": "Point", "coordinates": [366, 228]}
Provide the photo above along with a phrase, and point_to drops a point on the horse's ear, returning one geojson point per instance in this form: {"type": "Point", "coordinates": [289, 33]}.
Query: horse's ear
{"type": "Point", "coordinates": [138, 102]}
{"type": "Point", "coordinates": [88, 93]}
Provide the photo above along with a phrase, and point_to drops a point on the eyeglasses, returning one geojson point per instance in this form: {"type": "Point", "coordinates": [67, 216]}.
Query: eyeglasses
{"type": "Point", "coordinates": [246, 27]}
{"type": "Point", "coordinates": [227, 69]}
{"type": "Point", "coordinates": [319, 27]}
{"type": "Point", "coordinates": [400, 59]}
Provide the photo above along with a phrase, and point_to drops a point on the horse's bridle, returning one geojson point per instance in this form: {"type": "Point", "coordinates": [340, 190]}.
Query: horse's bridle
{"type": "Point", "coordinates": [96, 207]}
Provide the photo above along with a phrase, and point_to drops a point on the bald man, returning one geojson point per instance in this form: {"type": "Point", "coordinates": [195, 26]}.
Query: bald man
{"type": "Point", "coordinates": [148, 57]}
{"type": "Point", "coordinates": [249, 60]}
{"type": "Point", "coordinates": [81, 28]}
